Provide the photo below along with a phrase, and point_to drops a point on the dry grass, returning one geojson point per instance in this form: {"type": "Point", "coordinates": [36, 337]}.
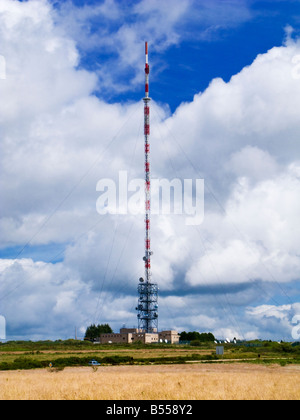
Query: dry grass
{"type": "Point", "coordinates": [173, 382]}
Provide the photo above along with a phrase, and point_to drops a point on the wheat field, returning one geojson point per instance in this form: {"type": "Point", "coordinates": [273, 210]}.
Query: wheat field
{"type": "Point", "coordinates": [173, 382]}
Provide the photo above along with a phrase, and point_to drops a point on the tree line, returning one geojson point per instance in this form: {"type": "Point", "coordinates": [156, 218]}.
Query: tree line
{"type": "Point", "coordinates": [196, 336]}
{"type": "Point", "coordinates": [93, 332]}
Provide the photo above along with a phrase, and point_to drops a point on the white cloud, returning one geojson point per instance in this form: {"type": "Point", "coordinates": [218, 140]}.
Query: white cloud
{"type": "Point", "coordinates": [38, 62]}
{"type": "Point", "coordinates": [255, 235]}
{"type": "Point", "coordinates": [269, 319]}
{"type": "Point", "coordinates": [253, 163]}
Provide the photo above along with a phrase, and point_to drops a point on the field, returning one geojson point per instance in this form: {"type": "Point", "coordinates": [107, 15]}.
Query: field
{"type": "Point", "coordinates": [157, 382]}
{"type": "Point", "coordinates": [261, 370]}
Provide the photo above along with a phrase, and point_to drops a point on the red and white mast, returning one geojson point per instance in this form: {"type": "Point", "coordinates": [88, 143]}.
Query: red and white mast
{"type": "Point", "coordinates": [148, 292]}
{"type": "Point", "coordinates": [146, 99]}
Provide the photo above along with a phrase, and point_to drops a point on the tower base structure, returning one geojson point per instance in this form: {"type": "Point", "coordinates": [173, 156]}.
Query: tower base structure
{"type": "Point", "coordinates": [147, 307]}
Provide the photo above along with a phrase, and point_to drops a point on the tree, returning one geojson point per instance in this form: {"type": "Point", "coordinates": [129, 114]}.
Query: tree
{"type": "Point", "coordinates": [206, 337]}
{"type": "Point", "coordinates": [93, 331]}
{"type": "Point", "coordinates": [196, 336]}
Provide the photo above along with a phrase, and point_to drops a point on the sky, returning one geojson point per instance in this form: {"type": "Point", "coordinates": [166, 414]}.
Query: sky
{"type": "Point", "coordinates": [225, 90]}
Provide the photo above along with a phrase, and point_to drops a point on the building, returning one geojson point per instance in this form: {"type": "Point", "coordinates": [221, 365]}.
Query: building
{"type": "Point", "coordinates": [133, 335]}
{"type": "Point", "coordinates": [171, 336]}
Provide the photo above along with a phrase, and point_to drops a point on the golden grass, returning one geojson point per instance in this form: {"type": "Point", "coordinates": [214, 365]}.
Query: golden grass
{"type": "Point", "coordinates": [165, 382]}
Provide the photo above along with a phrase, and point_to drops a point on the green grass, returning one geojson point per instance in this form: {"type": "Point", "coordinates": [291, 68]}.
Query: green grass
{"type": "Point", "coordinates": [30, 355]}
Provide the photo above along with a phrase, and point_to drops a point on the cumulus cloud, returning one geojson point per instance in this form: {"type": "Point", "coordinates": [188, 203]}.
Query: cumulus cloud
{"type": "Point", "coordinates": [270, 319]}
{"type": "Point", "coordinates": [58, 139]}
{"type": "Point", "coordinates": [256, 237]}
{"type": "Point", "coordinates": [253, 163]}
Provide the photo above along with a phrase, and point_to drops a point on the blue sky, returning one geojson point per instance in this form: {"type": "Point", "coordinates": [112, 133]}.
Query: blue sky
{"type": "Point", "coordinates": [206, 48]}
{"type": "Point", "coordinates": [225, 87]}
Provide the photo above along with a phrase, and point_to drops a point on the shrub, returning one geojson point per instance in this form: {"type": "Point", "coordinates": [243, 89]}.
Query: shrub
{"type": "Point", "coordinates": [195, 343]}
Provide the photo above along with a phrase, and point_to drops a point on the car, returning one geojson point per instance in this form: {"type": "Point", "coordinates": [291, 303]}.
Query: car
{"type": "Point", "coordinates": [94, 363]}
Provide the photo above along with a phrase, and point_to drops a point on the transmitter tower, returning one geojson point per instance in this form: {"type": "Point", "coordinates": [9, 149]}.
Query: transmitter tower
{"type": "Point", "coordinates": [147, 290]}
